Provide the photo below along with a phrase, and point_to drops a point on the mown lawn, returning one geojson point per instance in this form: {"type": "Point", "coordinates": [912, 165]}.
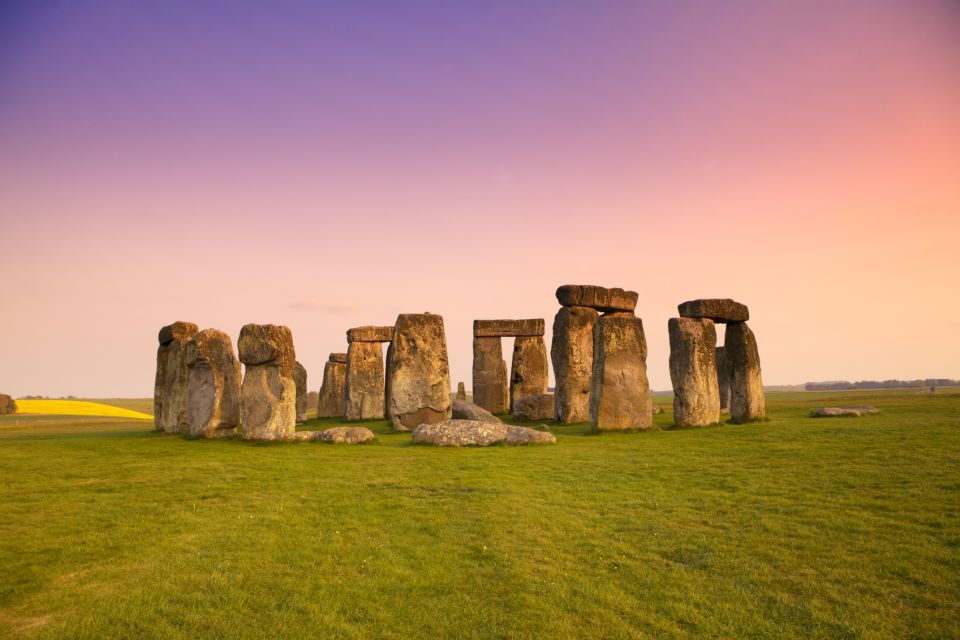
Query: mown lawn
{"type": "Point", "coordinates": [793, 528]}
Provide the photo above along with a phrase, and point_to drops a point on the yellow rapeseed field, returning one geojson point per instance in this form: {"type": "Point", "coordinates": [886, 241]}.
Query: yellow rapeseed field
{"type": "Point", "coordinates": [77, 408]}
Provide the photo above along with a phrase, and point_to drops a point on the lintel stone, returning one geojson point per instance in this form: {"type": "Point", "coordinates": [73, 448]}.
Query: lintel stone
{"type": "Point", "coordinates": [508, 328]}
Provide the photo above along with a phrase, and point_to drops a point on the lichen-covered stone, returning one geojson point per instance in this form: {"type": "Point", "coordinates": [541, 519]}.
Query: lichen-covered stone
{"type": "Point", "coordinates": [300, 380]}
{"type": "Point", "coordinates": [338, 357]}
{"type": "Point", "coordinates": [723, 379]}
{"type": "Point", "coordinates": [267, 344]}
{"type": "Point", "coordinates": [693, 371]}
{"type": "Point", "coordinates": [170, 384]}
{"type": "Point", "coordinates": [528, 372]}
{"type": "Point", "coordinates": [336, 435]}
{"type": "Point", "coordinates": [330, 401]}
{"type": "Point", "coordinates": [719, 310]}
{"type": "Point", "coordinates": [177, 330]}
{"type": "Point", "coordinates": [364, 388]}
{"type": "Point", "coordinates": [599, 298]}
{"type": "Point", "coordinates": [747, 400]}
{"type": "Point", "coordinates": [490, 375]}
{"type": "Point", "coordinates": [213, 388]}
{"type": "Point", "coordinates": [418, 371]}
{"type": "Point", "coordinates": [620, 392]}
{"type": "Point", "coordinates": [539, 406]}
{"type": "Point", "coordinates": [833, 412]}
{"type": "Point", "coordinates": [370, 334]}
{"type": "Point", "coordinates": [459, 433]}
{"type": "Point", "coordinates": [463, 410]}
{"type": "Point", "coordinates": [268, 393]}
{"type": "Point", "coordinates": [507, 328]}
{"type": "Point", "coordinates": [572, 356]}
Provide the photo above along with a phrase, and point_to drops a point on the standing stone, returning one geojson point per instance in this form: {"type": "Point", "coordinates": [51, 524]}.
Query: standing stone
{"type": "Point", "coordinates": [619, 390]}
{"type": "Point", "coordinates": [300, 380]}
{"type": "Point", "coordinates": [539, 406]}
{"type": "Point", "coordinates": [528, 373]}
{"type": "Point", "coordinates": [572, 355]}
{"type": "Point", "coordinates": [386, 382]}
{"type": "Point", "coordinates": [489, 375]}
{"type": "Point", "coordinates": [723, 379]}
{"type": "Point", "coordinates": [747, 401]}
{"type": "Point", "coordinates": [418, 371]}
{"type": "Point", "coordinates": [461, 392]}
{"type": "Point", "coordinates": [330, 402]}
{"type": "Point", "coordinates": [693, 371]}
{"type": "Point", "coordinates": [364, 391]}
{"type": "Point", "coordinates": [269, 393]}
{"type": "Point", "coordinates": [170, 385]}
{"type": "Point", "coordinates": [213, 390]}
{"type": "Point", "coordinates": [7, 405]}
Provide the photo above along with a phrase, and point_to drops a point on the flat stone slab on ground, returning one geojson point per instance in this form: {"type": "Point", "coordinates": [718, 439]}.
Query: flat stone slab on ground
{"type": "Point", "coordinates": [336, 435]}
{"type": "Point", "coordinates": [719, 310]}
{"type": "Point", "coordinates": [459, 433]}
{"type": "Point", "coordinates": [463, 410]}
{"type": "Point", "coordinates": [370, 334]}
{"type": "Point", "coordinates": [508, 328]}
{"type": "Point", "coordinates": [831, 412]}
{"type": "Point", "coordinates": [599, 298]}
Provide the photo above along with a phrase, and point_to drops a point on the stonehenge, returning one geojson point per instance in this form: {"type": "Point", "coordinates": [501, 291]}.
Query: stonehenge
{"type": "Point", "coordinates": [706, 377]}
{"type": "Point", "coordinates": [172, 377]}
{"type": "Point", "coordinates": [213, 387]}
{"type": "Point", "coordinates": [330, 402]}
{"type": "Point", "coordinates": [461, 392]}
{"type": "Point", "coordinates": [619, 390]}
{"type": "Point", "coordinates": [539, 406]}
{"type": "Point", "coordinates": [418, 372]}
{"type": "Point", "coordinates": [572, 354]}
{"type": "Point", "coordinates": [7, 405]}
{"type": "Point", "coordinates": [460, 433]}
{"type": "Point", "coordinates": [528, 371]}
{"type": "Point", "coordinates": [364, 392]}
{"type": "Point", "coordinates": [528, 374]}
{"type": "Point", "coordinates": [490, 389]}
{"type": "Point", "coordinates": [300, 380]}
{"type": "Point", "coordinates": [269, 392]}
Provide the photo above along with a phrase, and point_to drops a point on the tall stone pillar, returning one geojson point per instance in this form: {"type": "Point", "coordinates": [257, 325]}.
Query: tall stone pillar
{"type": "Point", "coordinates": [489, 375]}
{"type": "Point", "coordinates": [747, 400]}
{"type": "Point", "coordinates": [269, 393]}
{"type": "Point", "coordinates": [693, 371]}
{"type": "Point", "coordinates": [330, 399]}
{"type": "Point", "coordinates": [528, 373]}
{"type": "Point", "coordinates": [418, 372]}
{"type": "Point", "coordinates": [172, 378]}
{"type": "Point", "coordinates": [300, 379]}
{"type": "Point", "coordinates": [619, 391]}
{"type": "Point", "coordinates": [364, 393]}
{"type": "Point", "coordinates": [723, 379]}
{"type": "Point", "coordinates": [213, 390]}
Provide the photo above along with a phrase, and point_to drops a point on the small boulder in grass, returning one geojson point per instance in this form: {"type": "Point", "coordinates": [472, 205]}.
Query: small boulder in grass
{"type": "Point", "coordinates": [460, 433]}
{"type": "Point", "coordinates": [853, 412]}
{"type": "Point", "coordinates": [337, 435]}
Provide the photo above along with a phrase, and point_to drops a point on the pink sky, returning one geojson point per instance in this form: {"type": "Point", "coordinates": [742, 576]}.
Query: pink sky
{"type": "Point", "coordinates": [326, 168]}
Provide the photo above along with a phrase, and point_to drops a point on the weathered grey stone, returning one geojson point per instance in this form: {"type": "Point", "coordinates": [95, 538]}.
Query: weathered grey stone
{"type": "Point", "coordinates": [170, 384]}
{"type": "Point", "coordinates": [832, 412]}
{"type": "Point", "coordinates": [213, 387]}
{"type": "Point", "coordinates": [387, 381]}
{"type": "Point", "coordinates": [747, 400]}
{"type": "Point", "coordinates": [268, 393]}
{"type": "Point", "coordinates": [370, 334]}
{"type": "Point", "coordinates": [419, 371]}
{"type": "Point", "coordinates": [8, 405]}
{"type": "Point", "coordinates": [463, 410]}
{"type": "Point", "coordinates": [300, 380]}
{"type": "Point", "coordinates": [330, 402]}
{"type": "Point", "coordinates": [723, 379]}
{"type": "Point", "coordinates": [719, 310]}
{"type": "Point", "coordinates": [363, 394]}
{"type": "Point", "coordinates": [490, 375]}
{"type": "Point", "coordinates": [336, 435]}
{"type": "Point", "coordinates": [693, 371]}
{"type": "Point", "coordinates": [338, 357]}
{"type": "Point", "coordinates": [458, 433]}
{"type": "Point", "coordinates": [502, 328]}
{"type": "Point", "coordinates": [539, 406]}
{"type": "Point", "coordinates": [461, 392]}
{"type": "Point", "coordinates": [528, 372]}
{"type": "Point", "coordinates": [572, 355]}
{"type": "Point", "coordinates": [599, 298]}
{"type": "Point", "coordinates": [619, 390]}
{"type": "Point", "coordinates": [657, 409]}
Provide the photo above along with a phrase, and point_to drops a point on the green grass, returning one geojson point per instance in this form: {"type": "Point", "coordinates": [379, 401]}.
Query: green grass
{"type": "Point", "coordinates": [793, 528]}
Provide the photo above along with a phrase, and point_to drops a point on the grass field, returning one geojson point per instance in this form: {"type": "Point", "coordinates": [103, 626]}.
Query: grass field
{"type": "Point", "coordinates": [793, 528]}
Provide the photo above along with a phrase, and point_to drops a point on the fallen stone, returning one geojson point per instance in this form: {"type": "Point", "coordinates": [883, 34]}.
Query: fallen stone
{"type": "Point", "coordinates": [461, 392]}
{"type": "Point", "coordinates": [213, 387]}
{"type": "Point", "coordinates": [528, 371]}
{"type": "Point", "coordinates": [330, 400]}
{"type": "Point", "coordinates": [507, 328]}
{"type": "Point", "coordinates": [418, 371]}
{"type": "Point", "coordinates": [539, 406]}
{"type": "Point", "coordinates": [172, 378]}
{"type": "Point", "coordinates": [832, 412]}
{"type": "Point", "coordinates": [747, 400]}
{"type": "Point", "coordinates": [268, 393]}
{"type": "Point", "coordinates": [619, 390]}
{"type": "Point", "coordinates": [459, 433]}
{"type": "Point", "coordinates": [300, 380]}
{"type": "Point", "coordinates": [572, 356]}
{"type": "Point", "coordinates": [8, 405]}
{"type": "Point", "coordinates": [463, 410]}
{"type": "Point", "coordinates": [490, 375]}
{"type": "Point", "coordinates": [719, 310]}
{"type": "Point", "coordinates": [346, 435]}
{"type": "Point", "coordinates": [693, 371]}
{"type": "Point", "coordinates": [599, 298]}
{"type": "Point", "coordinates": [370, 334]}
{"type": "Point", "coordinates": [364, 387]}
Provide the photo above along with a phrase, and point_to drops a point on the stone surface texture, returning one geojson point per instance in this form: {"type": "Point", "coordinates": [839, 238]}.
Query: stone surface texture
{"type": "Point", "coordinates": [213, 387]}
{"type": "Point", "coordinates": [832, 412]}
{"type": "Point", "coordinates": [172, 378]}
{"type": "Point", "coordinates": [723, 379]}
{"type": "Point", "coordinates": [459, 433]}
{"type": "Point", "coordinates": [370, 334]}
{"type": "Point", "coordinates": [338, 357]}
{"type": "Point", "coordinates": [507, 328]}
{"type": "Point", "coordinates": [461, 392]}
{"type": "Point", "coordinates": [747, 400]}
{"type": "Point", "coordinates": [8, 405]}
{"type": "Point", "coordinates": [619, 390]}
{"type": "Point", "coordinates": [269, 393]}
{"type": "Point", "coordinates": [490, 389]}
{"type": "Point", "coordinates": [693, 371]}
{"type": "Point", "coordinates": [599, 298]}
{"type": "Point", "coordinates": [330, 401]}
{"type": "Point", "coordinates": [337, 435]}
{"type": "Point", "coordinates": [363, 394]}
{"type": "Point", "coordinates": [418, 371]}
{"type": "Point", "coordinates": [300, 380]}
{"type": "Point", "coordinates": [572, 356]}
{"type": "Point", "coordinates": [528, 371]}
{"type": "Point", "coordinates": [719, 310]}
{"type": "Point", "coordinates": [540, 406]}
{"type": "Point", "coordinates": [463, 410]}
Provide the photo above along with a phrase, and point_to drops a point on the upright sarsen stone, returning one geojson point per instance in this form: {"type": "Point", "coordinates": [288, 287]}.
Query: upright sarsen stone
{"type": "Point", "coordinates": [747, 401]}
{"type": "Point", "coordinates": [461, 392]}
{"type": "Point", "coordinates": [364, 391]}
{"type": "Point", "coordinates": [693, 371]}
{"type": "Point", "coordinates": [300, 380]}
{"type": "Point", "coordinates": [572, 355]}
{"type": "Point", "coordinates": [170, 384]}
{"type": "Point", "coordinates": [330, 401]}
{"type": "Point", "coordinates": [489, 375]}
{"type": "Point", "coordinates": [418, 372]}
{"type": "Point", "coordinates": [213, 389]}
{"type": "Point", "coordinates": [620, 392]}
{"type": "Point", "coordinates": [528, 372]}
{"type": "Point", "coordinates": [723, 379]}
{"type": "Point", "coordinates": [269, 393]}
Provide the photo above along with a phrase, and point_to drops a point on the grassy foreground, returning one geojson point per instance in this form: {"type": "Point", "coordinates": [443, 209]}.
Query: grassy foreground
{"type": "Point", "coordinates": [793, 528]}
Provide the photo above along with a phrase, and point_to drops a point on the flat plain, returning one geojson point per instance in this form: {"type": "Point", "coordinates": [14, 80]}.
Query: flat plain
{"type": "Point", "coordinates": [792, 528]}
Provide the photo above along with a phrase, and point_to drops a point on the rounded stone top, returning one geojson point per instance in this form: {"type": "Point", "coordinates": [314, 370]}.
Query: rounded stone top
{"type": "Point", "coordinates": [338, 357]}
{"type": "Point", "coordinates": [267, 344]}
{"type": "Point", "coordinates": [210, 346]}
{"type": "Point", "coordinates": [599, 298]}
{"type": "Point", "coordinates": [177, 330]}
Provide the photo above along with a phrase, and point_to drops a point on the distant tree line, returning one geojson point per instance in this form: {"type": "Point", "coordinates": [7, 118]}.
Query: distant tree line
{"type": "Point", "coordinates": [835, 385]}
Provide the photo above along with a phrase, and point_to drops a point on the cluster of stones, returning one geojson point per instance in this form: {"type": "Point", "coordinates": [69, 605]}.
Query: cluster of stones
{"type": "Point", "coordinates": [707, 379]}
{"type": "Point", "coordinates": [7, 405]}
{"type": "Point", "coordinates": [599, 355]}
{"type": "Point", "coordinates": [526, 394]}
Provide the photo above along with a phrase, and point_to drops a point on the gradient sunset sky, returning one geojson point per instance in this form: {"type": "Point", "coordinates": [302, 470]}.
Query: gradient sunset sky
{"type": "Point", "coordinates": [329, 165]}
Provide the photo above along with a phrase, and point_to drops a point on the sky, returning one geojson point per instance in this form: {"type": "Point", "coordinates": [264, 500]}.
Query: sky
{"type": "Point", "coordinates": [331, 165]}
